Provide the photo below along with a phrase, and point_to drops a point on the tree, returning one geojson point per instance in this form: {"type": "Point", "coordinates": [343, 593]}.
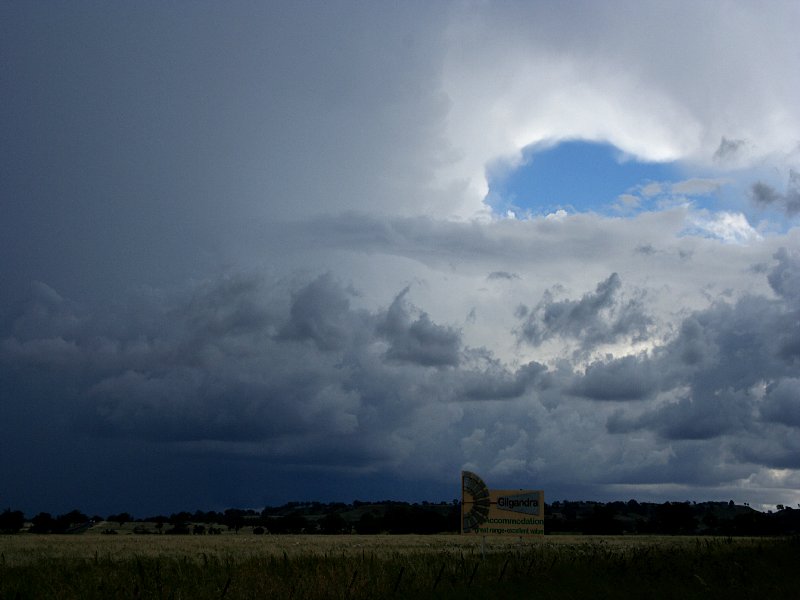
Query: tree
{"type": "Point", "coordinates": [121, 518]}
{"type": "Point", "coordinates": [42, 523]}
{"type": "Point", "coordinates": [181, 517]}
{"type": "Point", "coordinates": [234, 519]}
{"type": "Point", "coordinates": [292, 523]}
{"type": "Point", "coordinates": [11, 521]}
{"type": "Point", "coordinates": [333, 523]}
{"type": "Point", "coordinates": [368, 524]}
{"type": "Point", "coordinates": [70, 520]}
{"type": "Point", "coordinates": [674, 518]}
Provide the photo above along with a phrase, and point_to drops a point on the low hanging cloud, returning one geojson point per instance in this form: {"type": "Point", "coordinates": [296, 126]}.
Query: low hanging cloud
{"type": "Point", "coordinates": [704, 418]}
{"type": "Point", "coordinates": [219, 365]}
{"type": "Point", "coordinates": [245, 369]}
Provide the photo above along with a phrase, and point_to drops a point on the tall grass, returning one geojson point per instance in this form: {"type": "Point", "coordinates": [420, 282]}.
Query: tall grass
{"type": "Point", "coordinates": [702, 568]}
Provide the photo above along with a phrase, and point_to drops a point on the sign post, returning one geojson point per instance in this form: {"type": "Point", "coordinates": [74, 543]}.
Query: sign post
{"type": "Point", "coordinates": [500, 512]}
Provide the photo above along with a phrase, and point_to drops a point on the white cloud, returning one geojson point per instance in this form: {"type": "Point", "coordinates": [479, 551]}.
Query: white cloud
{"type": "Point", "coordinates": [697, 186]}
{"type": "Point", "coordinates": [554, 75]}
{"type": "Point", "coordinates": [725, 226]}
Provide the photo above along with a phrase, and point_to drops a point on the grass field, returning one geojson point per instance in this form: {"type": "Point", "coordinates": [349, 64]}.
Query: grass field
{"type": "Point", "coordinates": [440, 566]}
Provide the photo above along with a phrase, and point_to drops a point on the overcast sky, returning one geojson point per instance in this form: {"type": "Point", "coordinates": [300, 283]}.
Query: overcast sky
{"type": "Point", "coordinates": [257, 252]}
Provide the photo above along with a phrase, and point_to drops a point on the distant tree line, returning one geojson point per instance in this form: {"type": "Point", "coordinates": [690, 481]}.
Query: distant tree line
{"type": "Point", "coordinates": [325, 518]}
{"type": "Point", "coordinates": [392, 517]}
{"type": "Point", "coordinates": [669, 518]}
{"type": "Point", "coordinates": [12, 521]}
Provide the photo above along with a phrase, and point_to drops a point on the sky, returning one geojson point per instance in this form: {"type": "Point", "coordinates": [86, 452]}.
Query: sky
{"type": "Point", "coordinates": [256, 252]}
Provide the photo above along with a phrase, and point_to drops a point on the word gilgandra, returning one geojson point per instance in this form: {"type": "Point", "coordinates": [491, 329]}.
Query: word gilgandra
{"type": "Point", "coordinates": [512, 503]}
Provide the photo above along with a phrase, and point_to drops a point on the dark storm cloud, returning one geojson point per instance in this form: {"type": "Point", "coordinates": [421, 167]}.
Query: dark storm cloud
{"type": "Point", "coordinates": [228, 307]}
{"type": "Point", "coordinates": [785, 276]}
{"type": "Point", "coordinates": [182, 404]}
{"type": "Point", "coordinates": [418, 340]}
{"type": "Point", "coordinates": [45, 313]}
{"type": "Point", "coordinates": [242, 369]}
{"type": "Point", "coordinates": [702, 417]}
{"type": "Point", "coordinates": [499, 384]}
{"type": "Point", "coordinates": [598, 317]}
{"type": "Point", "coordinates": [776, 447]}
{"type": "Point", "coordinates": [320, 312]}
{"type": "Point", "coordinates": [626, 378]}
{"type": "Point", "coordinates": [690, 462]}
{"type": "Point", "coordinates": [225, 372]}
{"type": "Point", "coordinates": [785, 281]}
{"type": "Point", "coordinates": [781, 403]}
{"type": "Point", "coordinates": [789, 201]}
{"type": "Point", "coordinates": [718, 362]}
{"type": "Point", "coordinates": [764, 194]}
{"type": "Point", "coordinates": [215, 364]}
{"type": "Point", "coordinates": [205, 367]}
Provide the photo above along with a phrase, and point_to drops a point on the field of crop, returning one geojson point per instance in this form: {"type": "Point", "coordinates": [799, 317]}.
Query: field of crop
{"type": "Point", "coordinates": [439, 566]}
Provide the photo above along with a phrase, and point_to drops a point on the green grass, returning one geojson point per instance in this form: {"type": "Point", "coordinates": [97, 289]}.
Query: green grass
{"type": "Point", "coordinates": [355, 567]}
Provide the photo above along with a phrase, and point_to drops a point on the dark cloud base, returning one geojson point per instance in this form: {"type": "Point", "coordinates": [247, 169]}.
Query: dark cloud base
{"type": "Point", "coordinates": [221, 396]}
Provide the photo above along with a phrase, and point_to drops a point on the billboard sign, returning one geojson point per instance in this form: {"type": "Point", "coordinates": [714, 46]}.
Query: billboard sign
{"type": "Point", "coordinates": [499, 512]}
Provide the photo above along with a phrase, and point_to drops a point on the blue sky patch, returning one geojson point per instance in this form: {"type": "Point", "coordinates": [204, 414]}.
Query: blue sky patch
{"type": "Point", "coordinates": [576, 176]}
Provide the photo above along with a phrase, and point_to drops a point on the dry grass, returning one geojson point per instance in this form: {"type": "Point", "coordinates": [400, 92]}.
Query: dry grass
{"type": "Point", "coordinates": [27, 548]}
{"type": "Point", "coordinates": [440, 566]}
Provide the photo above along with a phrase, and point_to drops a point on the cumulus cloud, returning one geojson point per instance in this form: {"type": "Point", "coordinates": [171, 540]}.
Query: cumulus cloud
{"type": "Point", "coordinates": [551, 77]}
{"type": "Point", "coordinates": [781, 403]}
{"type": "Point", "coordinates": [765, 195]}
{"type": "Point", "coordinates": [217, 365]}
{"type": "Point", "coordinates": [729, 227]}
{"type": "Point", "coordinates": [598, 317]}
{"type": "Point", "coordinates": [705, 417]}
{"type": "Point", "coordinates": [728, 379]}
{"type": "Point", "coordinates": [696, 186]}
{"type": "Point", "coordinates": [626, 378]}
{"type": "Point", "coordinates": [497, 383]}
{"type": "Point", "coordinates": [418, 341]}
{"type": "Point", "coordinates": [785, 276]}
{"type": "Point", "coordinates": [223, 371]}
{"type": "Point", "coordinates": [320, 312]}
